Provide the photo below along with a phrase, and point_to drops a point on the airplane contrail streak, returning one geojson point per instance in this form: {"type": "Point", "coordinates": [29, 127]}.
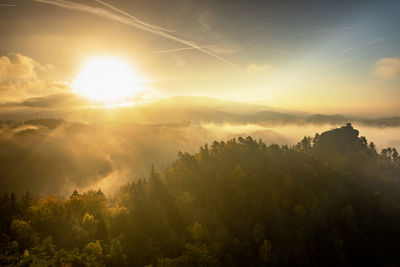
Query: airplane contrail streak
{"type": "Point", "coordinates": [128, 20]}
{"type": "Point", "coordinates": [168, 36]}
{"type": "Point", "coordinates": [175, 50]}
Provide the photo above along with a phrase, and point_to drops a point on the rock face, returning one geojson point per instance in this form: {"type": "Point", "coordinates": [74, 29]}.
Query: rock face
{"type": "Point", "coordinates": [340, 139]}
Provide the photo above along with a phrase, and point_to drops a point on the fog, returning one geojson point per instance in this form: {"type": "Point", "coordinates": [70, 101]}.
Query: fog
{"type": "Point", "coordinates": [56, 156]}
{"type": "Point", "coordinates": [292, 133]}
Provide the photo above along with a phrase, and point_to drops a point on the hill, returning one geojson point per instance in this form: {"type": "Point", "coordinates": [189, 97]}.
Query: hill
{"type": "Point", "coordinates": [177, 109]}
{"type": "Point", "coordinates": [330, 200]}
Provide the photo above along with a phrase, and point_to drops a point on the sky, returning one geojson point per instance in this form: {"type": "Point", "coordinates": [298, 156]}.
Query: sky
{"type": "Point", "coordinates": [316, 56]}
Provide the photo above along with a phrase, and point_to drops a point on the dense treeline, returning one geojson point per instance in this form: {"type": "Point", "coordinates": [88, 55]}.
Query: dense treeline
{"type": "Point", "coordinates": [331, 200]}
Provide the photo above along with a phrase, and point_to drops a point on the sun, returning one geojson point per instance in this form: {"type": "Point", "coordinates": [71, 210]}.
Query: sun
{"type": "Point", "coordinates": [107, 80]}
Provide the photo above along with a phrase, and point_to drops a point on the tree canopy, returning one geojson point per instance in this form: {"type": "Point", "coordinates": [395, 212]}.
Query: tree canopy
{"type": "Point", "coordinates": [330, 200]}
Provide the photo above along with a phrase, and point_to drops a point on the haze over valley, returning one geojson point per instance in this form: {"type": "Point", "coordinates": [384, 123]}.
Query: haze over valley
{"type": "Point", "coordinates": [199, 133]}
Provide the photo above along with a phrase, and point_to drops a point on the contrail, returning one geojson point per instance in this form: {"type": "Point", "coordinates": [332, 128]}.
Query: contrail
{"type": "Point", "coordinates": [174, 50]}
{"type": "Point", "coordinates": [338, 63]}
{"type": "Point", "coordinates": [169, 51]}
{"type": "Point", "coordinates": [279, 51]}
{"type": "Point", "coordinates": [154, 27]}
{"type": "Point", "coordinates": [168, 36]}
{"type": "Point", "coordinates": [94, 11]}
{"type": "Point", "coordinates": [349, 49]}
{"type": "Point", "coordinates": [7, 5]}
{"type": "Point", "coordinates": [327, 30]}
{"type": "Point", "coordinates": [128, 20]}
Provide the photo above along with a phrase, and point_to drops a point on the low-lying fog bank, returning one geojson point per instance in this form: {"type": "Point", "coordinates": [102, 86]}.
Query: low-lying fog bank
{"type": "Point", "coordinates": [291, 134]}
{"type": "Point", "coordinates": [55, 156]}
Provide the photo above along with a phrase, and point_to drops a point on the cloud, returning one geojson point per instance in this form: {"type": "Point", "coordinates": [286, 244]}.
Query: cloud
{"type": "Point", "coordinates": [18, 90]}
{"type": "Point", "coordinates": [15, 66]}
{"type": "Point", "coordinates": [257, 68]}
{"type": "Point", "coordinates": [387, 68]}
{"type": "Point", "coordinates": [57, 100]}
{"type": "Point", "coordinates": [20, 78]}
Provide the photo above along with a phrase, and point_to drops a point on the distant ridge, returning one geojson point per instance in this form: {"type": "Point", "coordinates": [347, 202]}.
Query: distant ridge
{"type": "Point", "coordinates": [183, 108]}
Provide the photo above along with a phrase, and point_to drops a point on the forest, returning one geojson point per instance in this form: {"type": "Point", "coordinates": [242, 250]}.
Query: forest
{"type": "Point", "coordinates": [329, 200]}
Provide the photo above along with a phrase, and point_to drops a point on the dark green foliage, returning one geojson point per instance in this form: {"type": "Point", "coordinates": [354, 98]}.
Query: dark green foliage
{"type": "Point", "coordinates": [331, 200]}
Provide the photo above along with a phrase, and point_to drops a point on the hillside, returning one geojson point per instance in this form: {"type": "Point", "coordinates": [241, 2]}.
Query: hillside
{"type": "Point", "coordinates": [178, 109]}
{"type": "Point", "coordinates": [330, 200]}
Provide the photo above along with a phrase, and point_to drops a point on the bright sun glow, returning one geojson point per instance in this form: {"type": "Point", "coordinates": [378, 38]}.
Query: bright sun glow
{"type": "Point", "coordinates": [107, 80]}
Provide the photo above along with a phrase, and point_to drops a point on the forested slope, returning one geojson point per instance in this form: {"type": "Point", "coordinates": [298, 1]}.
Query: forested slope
{"type": "Point", "coordinates": [331, 200]}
